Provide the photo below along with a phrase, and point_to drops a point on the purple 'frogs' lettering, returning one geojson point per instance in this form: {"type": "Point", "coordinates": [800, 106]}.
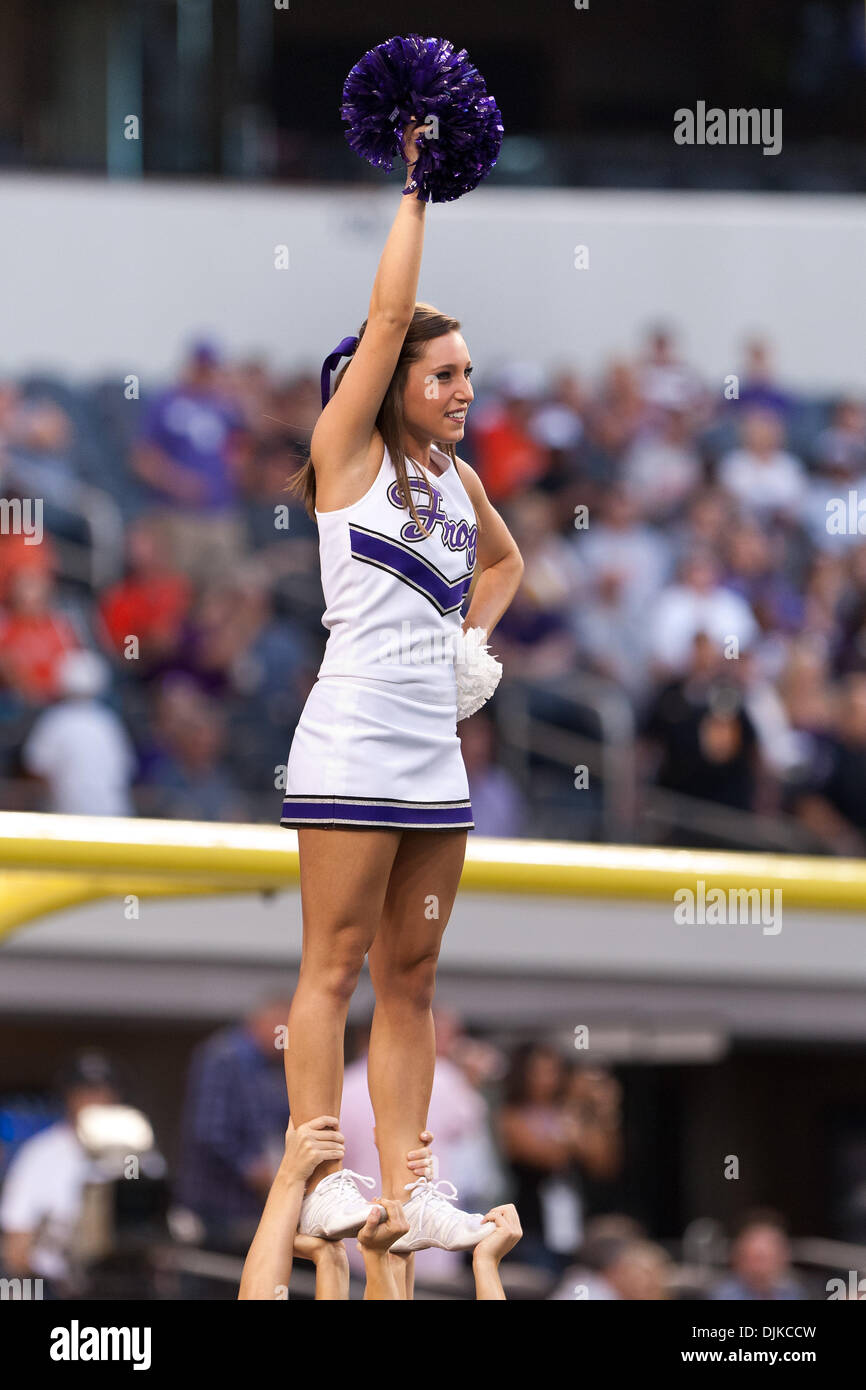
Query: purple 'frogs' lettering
{"type": "Point", "coordinates": [456, 535]}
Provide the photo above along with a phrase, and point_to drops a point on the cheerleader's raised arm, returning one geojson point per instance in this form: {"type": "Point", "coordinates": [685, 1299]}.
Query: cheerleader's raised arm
{"type": "Point", "coordinates": [344, 432]}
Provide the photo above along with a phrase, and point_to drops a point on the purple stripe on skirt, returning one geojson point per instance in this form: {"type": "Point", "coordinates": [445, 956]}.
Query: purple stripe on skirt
{"type": "Point", "coordinates": [313, 810]}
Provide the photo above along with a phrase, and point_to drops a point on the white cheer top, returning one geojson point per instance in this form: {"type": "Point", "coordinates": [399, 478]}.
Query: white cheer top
{"type": "Point", "coordinates": [393, 595]}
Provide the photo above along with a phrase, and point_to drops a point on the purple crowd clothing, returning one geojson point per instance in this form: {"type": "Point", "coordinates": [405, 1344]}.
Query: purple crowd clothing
{"type": "Point", "coordinates": [194, 429]}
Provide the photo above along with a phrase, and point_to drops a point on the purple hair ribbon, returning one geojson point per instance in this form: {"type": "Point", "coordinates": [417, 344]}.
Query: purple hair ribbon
{"type": "Point", "coordinates": [345, 348]}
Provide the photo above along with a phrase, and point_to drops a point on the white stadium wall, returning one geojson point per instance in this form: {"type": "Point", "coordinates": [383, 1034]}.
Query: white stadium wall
{"type": "Point", "coordinates": [507, 959]}
{"type": "Point", "coordinates": [103, 278]}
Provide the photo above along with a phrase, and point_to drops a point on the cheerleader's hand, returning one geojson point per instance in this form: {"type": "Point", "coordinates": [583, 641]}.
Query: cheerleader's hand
{"type": "Point", "coordinates": [422, 1161]}
{"type": "Point", "coordinates": [317, 1141]}
{"type": "Point", "coordinates": [411, 148]}
{"type": "Point", "coordinates": [379, 1232]}
{"type": "Point", "coordinates": [319, 1250]}
{"type": "Point", "coordinates": [508, 1232]}
{"type": "Point", "coordinates": [477, 672]}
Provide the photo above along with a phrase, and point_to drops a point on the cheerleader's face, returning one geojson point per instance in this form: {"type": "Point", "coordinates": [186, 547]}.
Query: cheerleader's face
{"type": "Point", "coordinates": [438, 390]}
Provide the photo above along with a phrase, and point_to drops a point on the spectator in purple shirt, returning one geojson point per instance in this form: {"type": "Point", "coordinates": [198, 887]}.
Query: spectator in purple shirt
{"type": "Point", "coordinates": [758, 385]}
{"type": "Point", "coordinates": [190, 448]}
{"type": "Point", "coordinates": [754, 571]}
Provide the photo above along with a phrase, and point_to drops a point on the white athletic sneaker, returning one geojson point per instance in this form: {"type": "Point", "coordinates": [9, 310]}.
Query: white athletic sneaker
{"type": "Point", "coordinates": [432, 1222]}
{"type": "Point", "coordinates": [335, 1209]}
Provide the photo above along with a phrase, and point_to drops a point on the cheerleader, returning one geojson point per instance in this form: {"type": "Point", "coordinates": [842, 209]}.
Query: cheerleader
{"type": "Point", "coordinates": [376, 786]}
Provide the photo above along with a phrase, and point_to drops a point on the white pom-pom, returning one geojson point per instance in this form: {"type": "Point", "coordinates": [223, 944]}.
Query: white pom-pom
{"type": "Point", "coordinates": [478, 673]}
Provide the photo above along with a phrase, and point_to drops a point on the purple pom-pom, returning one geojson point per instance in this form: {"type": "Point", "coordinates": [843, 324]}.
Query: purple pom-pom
{"type": "Point", "coordinates": [418, 78]}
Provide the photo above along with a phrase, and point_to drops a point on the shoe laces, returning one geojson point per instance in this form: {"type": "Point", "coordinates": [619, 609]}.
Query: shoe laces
{"type": "Point", "coordinates": [430, 1194]}
{"type": "Point", "coordinates": [345, 1180]}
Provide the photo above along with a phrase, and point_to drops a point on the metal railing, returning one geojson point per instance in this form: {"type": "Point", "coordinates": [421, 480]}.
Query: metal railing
{"type": "Point", "coordinates": [101, 561]}
{"type": "Point", "coordinates": [611, 757]}
{"type": "Point", "coordinates": [631, 812]}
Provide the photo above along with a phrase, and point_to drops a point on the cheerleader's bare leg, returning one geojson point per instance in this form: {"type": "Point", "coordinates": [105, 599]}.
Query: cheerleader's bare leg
{"type": "Point", "coordinates": [344, 879]}
{"type": "Point", "coordinates": [403, 958]}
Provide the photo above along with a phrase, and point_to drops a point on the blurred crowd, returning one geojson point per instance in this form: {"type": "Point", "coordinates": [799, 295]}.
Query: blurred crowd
{"type": "Point", "coordinates": [521, 1124]}
{"type": "Point", "coordinates": [694, 547]}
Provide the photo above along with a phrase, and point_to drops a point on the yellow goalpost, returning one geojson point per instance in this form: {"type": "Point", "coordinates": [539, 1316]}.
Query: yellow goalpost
{"type": "Point", "coordinates": [52, 862]}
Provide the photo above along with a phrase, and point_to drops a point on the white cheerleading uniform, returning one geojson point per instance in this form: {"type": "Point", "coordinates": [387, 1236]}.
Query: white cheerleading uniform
{"type": "Point", "coordinates": [376, 744]}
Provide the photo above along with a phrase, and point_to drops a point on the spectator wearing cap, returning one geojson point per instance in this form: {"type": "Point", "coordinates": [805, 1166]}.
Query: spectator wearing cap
{"type": "Point", "coordinates": [189, 454]}
{"type": "Point", "coordinates": [42, 1194]}
{"type": "Point", "coordinates": [80, 746]}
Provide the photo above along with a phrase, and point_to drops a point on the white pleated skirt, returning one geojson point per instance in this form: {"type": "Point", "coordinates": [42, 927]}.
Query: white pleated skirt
{"type": "Point", "coordinates": [380, 754]}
